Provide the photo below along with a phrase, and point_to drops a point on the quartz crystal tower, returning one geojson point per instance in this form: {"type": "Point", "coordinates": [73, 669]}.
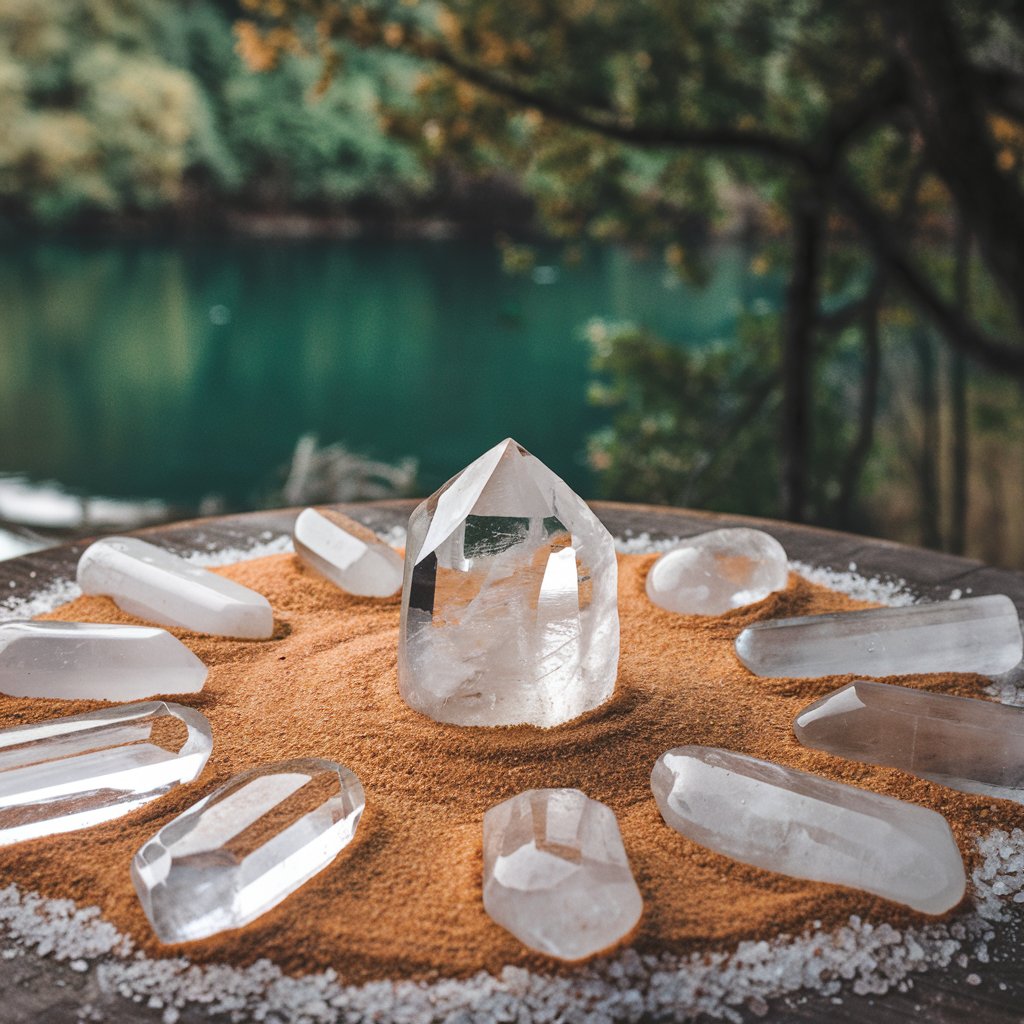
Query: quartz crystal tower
{"type": "Point", "coordinates": [509, 602]}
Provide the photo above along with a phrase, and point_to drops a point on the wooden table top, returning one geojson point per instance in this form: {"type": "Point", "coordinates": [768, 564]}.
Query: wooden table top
{"type": "Point", "coordinates": [42, 991]}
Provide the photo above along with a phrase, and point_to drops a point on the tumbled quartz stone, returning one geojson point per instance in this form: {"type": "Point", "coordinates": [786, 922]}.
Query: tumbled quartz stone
{"type": "Point", "coordinates": [90, 661]}
{"type": "Point", "coordinates": [976, 634]}
{"type": "Point", "coordinates": [509, 602]}
{"type": "Point", "coordinates": [346, 553]}
{"type": "Point", "coordinates": [246, 847]}
{"type": "Point", "coordinates": [556, 873]}
{"type": "Point", "coordinates": [798, 824]}
{"type": "Point", "coordinates": [715, 572]}
{"type": "Point", "coordinates": [76, 772]}
{"type": "Point", "coordinates": [153, 584]}
{"type": "Point", "coordinates": [972, 745]}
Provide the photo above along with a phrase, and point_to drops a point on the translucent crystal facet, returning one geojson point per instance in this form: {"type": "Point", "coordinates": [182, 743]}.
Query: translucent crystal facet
{"type": "Point", "coordinates": [347, 553]}
{"type": "Point", "coordinates": [75, 772]}
{"type": "Point", "coordinates": [978, 634]}
{"type": "Point", "coordinates": [714, 572]}
{"type": "Point", "coordinates": [155, 585]}
{"type": "Point", "coordinates": [88, 661]}
{"type": "Point", "coordinates": [785, 820]}
{"type": "Point", "coordinates": [244, 848]}
{"type": "Point", "coordinates": [972, 745]}
{"type": "Point", "coordinates": [556, 874]}
{"type": "Point", "coordinates": [509, 602]}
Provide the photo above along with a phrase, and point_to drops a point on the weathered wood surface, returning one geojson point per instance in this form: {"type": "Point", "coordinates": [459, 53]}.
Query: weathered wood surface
{"type": "Point", "coordinates": [41, 991]}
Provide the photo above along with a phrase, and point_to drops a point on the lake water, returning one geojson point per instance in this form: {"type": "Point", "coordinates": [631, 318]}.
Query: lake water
{"type": "Point", "coordinates": [180, 370]}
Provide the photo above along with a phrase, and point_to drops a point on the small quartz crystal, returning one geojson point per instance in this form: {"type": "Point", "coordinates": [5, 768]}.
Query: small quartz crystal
{"type": "Point", "coordinates": [798, 824]}
{"type": "Point", "coordinates": [510, 598]}
{"type": "Point", "coordinates": [346, 553]}
{"type": "Point", "coordinates": [972, 745]}
{"type": "Point", "coordinates": [977, 634]}
{"type": "Point", "coordinates": [75, 772]}
{"type": "Point", "coordinates": [89, 661]}
{"type": "Point", "coordinates": [151, 583]}
{"type": "Point", "coordinates": [556, 873]}
{"type": "Point", "coordinates": [247, 846]}
{"type": "Point", "coordinates": [715, 572]}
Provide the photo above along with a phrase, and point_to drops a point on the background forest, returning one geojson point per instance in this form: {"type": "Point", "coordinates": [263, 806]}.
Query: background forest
{"type": "Point", "coordinates": [861, 165]}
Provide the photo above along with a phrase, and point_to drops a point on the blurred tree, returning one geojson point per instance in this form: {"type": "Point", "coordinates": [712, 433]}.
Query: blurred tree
{"type": "Point", "coordinates": [633, 121]}
{"type": "Point", "coordinates": [123, 105]}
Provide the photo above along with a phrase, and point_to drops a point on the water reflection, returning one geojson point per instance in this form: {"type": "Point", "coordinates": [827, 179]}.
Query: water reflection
{"type": "Point", "coordinates": [177, 370]}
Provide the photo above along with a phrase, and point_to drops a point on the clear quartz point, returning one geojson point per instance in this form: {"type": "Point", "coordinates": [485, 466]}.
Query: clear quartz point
{"type": "Point", "coordinates": [76, 772]}
{"type": "Point", "coordinates": [346, 553]}
{"type": "Point", "coordinates": [247, 846]}
{"type": "Point", "coordinates": [153, 584]}
{"type": "Point", "coordinates": [90, 661]}
{"type": "Point", "coordinates": [715, 572]}
{"type": "Point", "coordinates": [972, 745]}
{"type": "Point", "coordinates": [976, 634]}
{"type": "Point", "coordinates": [510, 600]}
{"type": "Point", "coordinates": [556, 873]}
{"type": "Point", "coordinates": [798, 824]}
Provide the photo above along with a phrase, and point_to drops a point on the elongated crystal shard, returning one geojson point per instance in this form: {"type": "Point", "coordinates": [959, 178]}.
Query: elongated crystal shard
{"type": "Point", "coordinates": [977, 634]}
{"type": "Point", "coordinates": [785, 820]}
{"type": "Point", "coordinates": [246, 847]}
{"type": "Point", "coordinates": [509, 602]}
{"type": "Point", "coordinates": [556, 873]}
{"type": "Point", "coordinates": [75, 772]}
{"type": "Point", "coordinates": [717, 571]}
{"type": "Point", "coordinates": [971, 745]}
{"type": "Point", "coordinates": [346, 553]}
{"type": "Point", "coordinates": [89, 661]}
{"type": "Point", "coordinates": [155, 585]}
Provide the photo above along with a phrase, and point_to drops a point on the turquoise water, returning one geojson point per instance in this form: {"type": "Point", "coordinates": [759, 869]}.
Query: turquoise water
{"type": "Point", "coordinates": [180, 370]}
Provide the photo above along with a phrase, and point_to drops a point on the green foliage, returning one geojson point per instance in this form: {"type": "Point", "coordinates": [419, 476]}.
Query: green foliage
{"type": "Point", "coordinates": [124, 105]}
{"type": "Point", "coordinates": [698, 427]}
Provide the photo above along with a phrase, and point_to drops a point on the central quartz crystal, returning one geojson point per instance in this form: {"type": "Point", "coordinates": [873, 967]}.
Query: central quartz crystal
{"type": "Point", "coordinates": [510, 598]}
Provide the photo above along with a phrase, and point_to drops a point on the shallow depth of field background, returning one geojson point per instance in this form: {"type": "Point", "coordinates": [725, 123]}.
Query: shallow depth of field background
{"type": "Point", "coordinates": [753, 257]}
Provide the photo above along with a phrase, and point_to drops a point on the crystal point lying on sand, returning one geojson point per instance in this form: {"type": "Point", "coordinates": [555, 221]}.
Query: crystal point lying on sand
{"type": "Point", "coordinates": [89, 661]}
{"type": "Point", "coordinates": [244, 848]}
{"type": "Point", "coordinates": [75, 772]}
{"type": "Point", "coordinates": [556, 873]}
{"type": "Point", "coordinates": [977, 634]}
{"type": "Point", "coordinates": [155, 585]}
{"type": "Point", "coordinates": [714, 572]}
{"type": "Point", "coordinates": [972, 745]}
{"type": "Point", "coordinates": [785, 820]}
{"type": "Point", "coordinates": [346, 553]}
{"type": "Point", "coordinates": [510, 600]}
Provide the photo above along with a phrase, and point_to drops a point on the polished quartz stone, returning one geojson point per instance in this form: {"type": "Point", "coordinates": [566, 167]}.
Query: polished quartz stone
{"type": "Point", "coordinates": [785, 820]}
{"type": "Point", "coordinates": [971, 745]}
{"type": "Point", "coordinates": [715, 572]}
{"type": "Point", "coordinates": [556, 874]}
{"type": "Point", "coordinates": [346, 553]}
{"type": "Point", "coordinates": [977, 634]}
{"type": "Point", "coordinates": [155, 585]}
{"type": "Point", "coordinates": [244, 848]}
{"type": "Point", "coordinates": [510, 601]}
{"type": "Point", "coordinates": [89, 661]}
{"type": "Point", "coordinates": [75, 772]}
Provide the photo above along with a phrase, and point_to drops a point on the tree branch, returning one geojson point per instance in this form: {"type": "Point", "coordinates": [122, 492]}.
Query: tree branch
{"type": "Point", "coordinates": [958, 329]}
